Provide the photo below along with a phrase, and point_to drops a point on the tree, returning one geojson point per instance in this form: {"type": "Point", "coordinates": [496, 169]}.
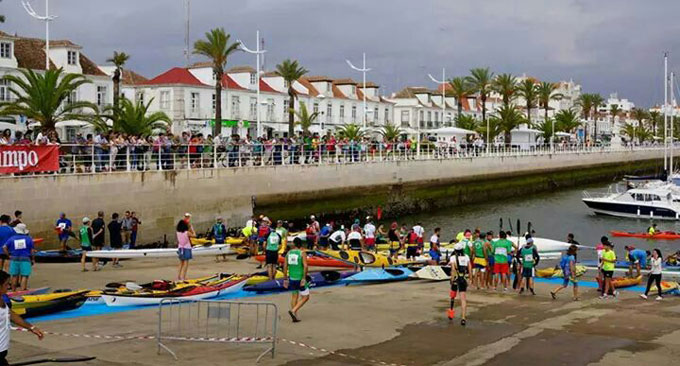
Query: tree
{"type": "Point", "coordinates": [390, 132]}
{"type": "Point", "coordinates": [118, 60]}
{"type": "Point", "coordinates": [507, 119]}
{"type": "Point", "coordinates": [44, 97]}
{"type": "Point", "coordinates": [506, 86]}
{"type": "Point", "coordinates": [290, 71]}
{"type": "Point", "coordinates": [567, 120]}
{"type": "Point", "coordinates": [597, 102]}
{"type": "Point", "coordinates": [640, 115]}
{"type": "Point", "coordinates": [585, 101]}
{"type": "Point", "coordinates": [467, 122]}
{"type": "Point", "coordinates": [480, 82]}
{"type": "Point", "coordinates": [351, 132]}
{"type": "Point", "coordinates": [546, 128]}
{"type": "Point", "coordinates": [135, 119]}
{"type": "Point", "coordinates": [546, 93]}
{"type": "Point", "coordinates": [460, 89]}
{"type": "Point", "coordinates": [654, 120]}
{"type": "Point", "coordinates": [527, 89]}
{"type": "Point", "coordinates": [305, 119]}
{"type": "Point", "coordinates": [217, 48]}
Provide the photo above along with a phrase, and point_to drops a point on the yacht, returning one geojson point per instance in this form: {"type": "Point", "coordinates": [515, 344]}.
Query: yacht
{"type": "Point", "coordinates": [653, 203]}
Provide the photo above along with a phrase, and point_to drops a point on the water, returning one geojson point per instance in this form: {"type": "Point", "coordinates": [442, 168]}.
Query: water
{"type": "Point", "coordinates": [552, 215]}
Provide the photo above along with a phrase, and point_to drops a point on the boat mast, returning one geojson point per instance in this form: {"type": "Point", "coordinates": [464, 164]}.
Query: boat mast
{"type": "Point", "coordinates": [665, 113]}
{"type": "Point", "coordinates": [672, 106]}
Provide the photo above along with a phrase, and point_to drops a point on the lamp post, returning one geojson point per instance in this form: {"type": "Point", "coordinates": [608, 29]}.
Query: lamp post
{"type": "Point", "coordinates": [418, 109]}
{"type": "Point", "coordinates": [47, 18]}
{"type": "Point", "coordinates": [443, 83]}
{"type": "Point", "coordinates": [364, 70]}
{"type": "Point", "coordinates": [257, 52]}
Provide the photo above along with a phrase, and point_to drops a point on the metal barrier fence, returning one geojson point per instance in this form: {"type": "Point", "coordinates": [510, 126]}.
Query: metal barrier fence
{"type": "Point", "coordinates": [217, 322]}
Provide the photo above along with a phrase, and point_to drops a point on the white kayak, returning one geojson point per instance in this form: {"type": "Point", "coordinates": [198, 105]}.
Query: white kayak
{"type": "Point", "coordinates": [125, 300]}
{"type": "Point", "coordinates": [549, 247]}
{"type": "Point", "coordinates": [217, 249]}
{"type": "Point", "coordinates": [433, 273]}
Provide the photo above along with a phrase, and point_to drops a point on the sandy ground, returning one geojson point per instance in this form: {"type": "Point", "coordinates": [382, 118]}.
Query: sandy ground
{"type": "Point", "coordinates": [400, 323]}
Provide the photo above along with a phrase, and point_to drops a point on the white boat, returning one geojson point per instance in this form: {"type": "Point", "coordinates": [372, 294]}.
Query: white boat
{"type": "Point", "coordinates": [652, 203]}
{"type": "Point", "coordinates": [433, 273]}
{"type": "Point", "coordinates": [549, 248]}
{"type": "Point", "coordinates": [126, 300]}
{"type": "Point", "coordinates": [217, 249]}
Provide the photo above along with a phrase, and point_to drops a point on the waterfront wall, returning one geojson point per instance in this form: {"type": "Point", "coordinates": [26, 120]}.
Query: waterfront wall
{"type": "Point", "coordinates": [160, 198]}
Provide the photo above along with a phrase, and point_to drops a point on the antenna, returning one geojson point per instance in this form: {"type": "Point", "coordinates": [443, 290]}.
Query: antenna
{"type": "Point", "coordinates": [47, 18]}
{"type": "Point", "coordinates": [187, 9]}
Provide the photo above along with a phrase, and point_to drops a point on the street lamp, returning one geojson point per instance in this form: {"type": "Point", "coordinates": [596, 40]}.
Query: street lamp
{"type": "Point", "coordinates": [443, 82]}
{"type": "Point", "coordinates": [418, 109]}
{"type": "Point", "coordinates": [364, 70]}
{"type": "Point", "coordinates": [47, 18]}
{"type": "Point", "coordinates": [257, 52]}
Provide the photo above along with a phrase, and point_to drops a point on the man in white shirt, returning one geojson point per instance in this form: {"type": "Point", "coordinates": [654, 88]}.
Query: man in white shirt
{"type": "Point", "coordinates": [369, 232]}
{"type": "Point", "coordinates": [419, 230]}
{"type": "Point", "coordinates": [338, 238]}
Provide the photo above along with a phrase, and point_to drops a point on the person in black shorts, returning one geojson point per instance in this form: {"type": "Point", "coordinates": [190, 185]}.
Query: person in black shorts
{"type": "Point", "coordinates": [115, 236]}
{"type": "Point", "coordinates": [461, 267]}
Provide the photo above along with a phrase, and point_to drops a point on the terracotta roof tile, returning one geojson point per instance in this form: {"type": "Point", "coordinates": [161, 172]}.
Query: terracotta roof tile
{"type": "Point", "coordinates": [200, 65]}
{"type": "Point", "coordinates": [410, 92]}
{"type": "Point", "coordinates": [30, 54]}
{"type": "Point", "coordinates": [229, 83]}
{"type": "Point", "coordinates": [130, 77]}
{"type": "Point", "coordinates": [369, 84]}
{"type": "Point", "coordinates": [240, 69]}
{"type": "Point", "coordinates": [266, 87]}
{"type": "Point", "coordinates": [89, 67]}
{"type": "Point", "coordinates": [7, 35]}
{"type": "Point", "coordinates": [271, 74]}
{"type": "Point", "coordinates": [64, 43]}
{"type": "Point", "coordinates": [176, 75]}
{"type": "Point", "coordinates": [312, 91]}
{"type": "Point", "coordinates": [344, 82]}
{"type": "Point", "coordinates": [313, 79]}
{"type": "Point", "coordinates": [337, 93]}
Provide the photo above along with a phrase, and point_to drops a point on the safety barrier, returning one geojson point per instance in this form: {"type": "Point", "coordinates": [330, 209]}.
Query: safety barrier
{"type": "Point", "coordinates": [218, 322]}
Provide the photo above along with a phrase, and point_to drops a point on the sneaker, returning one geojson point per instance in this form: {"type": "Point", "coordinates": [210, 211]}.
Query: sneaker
{"type": "Point", "coordinates": [451, 313]}
{"type": "Point", "coordinates": [643, 296]}
{"type": "Point", "coordinates": [659, 298]}
{"type": "Point", "coordinates": [505, 289]}
{"type": "Point", "coordinates": [521, 291]}
{"type": "Point", "coordinates": [462, 322]}
{"type": "Point", "coordinates": [532, 291]}
{"type": "Point", "coordinates": [554, 296]}
{"type": "Point", "coordinates": [604, 297]}
{"type": "Point", "coordinates": [616, 294]}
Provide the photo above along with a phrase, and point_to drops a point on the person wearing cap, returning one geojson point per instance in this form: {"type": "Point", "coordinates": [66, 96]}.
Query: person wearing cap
{"type": "Point", "coordinates": [86, 243]}
{"type": "Point", "coordinates": [529, 258]}
{"type": "Point", "coordinates": [6, 232]}
{"type": "Point", "coordinates": [218, 232]}
{"type": "Point", "coordinates": [636, 258]}
{"type": "Point", "coordinates": [461, 267]}
{"type": "Point", "coordinates": [63, 228]}
{"type": "Point", "coordinates": [369, 234]}
{"type": "Point", "coordinates": [501, 249]}
{"type": "Point", "coordinates": [608, 265]}
{"type": "Point", "coordinates": [263, 232]}
{"type": "Point", "coordinates": [337, 239]}
{"type": "Point", "coordinates": [20, 249]}
{"type": "Point", "coordinates": [651, 230]}
{"type": "Point", "coordinates": [568, 266]}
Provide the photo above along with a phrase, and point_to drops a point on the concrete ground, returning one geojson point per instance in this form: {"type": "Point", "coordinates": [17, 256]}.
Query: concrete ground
{"type": "Point", "coordinates": [400, 323]}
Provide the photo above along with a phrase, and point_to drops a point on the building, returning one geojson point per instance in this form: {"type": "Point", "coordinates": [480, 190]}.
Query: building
{"type": "Point", "coordinates": [421, 109]}
{"type": "Point", "coordinates": [18, 53]}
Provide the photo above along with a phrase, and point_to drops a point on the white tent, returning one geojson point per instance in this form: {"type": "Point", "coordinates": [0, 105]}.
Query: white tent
{"type": "Point", "coordinates": [446, 134]}
{"type": "Point", "coordinates": [525, 138]}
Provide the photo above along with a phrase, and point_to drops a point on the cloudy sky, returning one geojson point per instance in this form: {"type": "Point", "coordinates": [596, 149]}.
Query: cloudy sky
{"type": "Point", "coordinates": [606, 45]}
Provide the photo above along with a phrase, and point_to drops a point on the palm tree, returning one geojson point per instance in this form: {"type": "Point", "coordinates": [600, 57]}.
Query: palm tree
{"type": "Point", "coordinates": [460, 89]}
{"type": "Point", "coordinates": [480, 82]}
{"type": "Point", "coordinates": [567, 120]}
{"type": "Point", "coordinates": [290, 71]}
{"type": "Point", "coordinates": [305, 119]}
{"type": "Point", "coordinates": [546, 93]}
{"type": "Point", "coordinates": [44, 97]}
{"type": "Point", "coordinates": [467, 122]}
{"type": "Point", "coordinates": [546, 128]}
{"type": "Point", "coordinates": [390, 132]}
{"type": "Point", "coordinates": [506, 86]}
{"type": "Point", "coordinates": [118, 60]}
{"type": "Point", "coordinates": [654, 119]}
{"type": "Point", "coordinates": [134, 118]}
{"type": "Point", "coordinates": [507, 119]}
{"type": "Point", "coordinates": [628, 130]}
{"type": "Point", "coordinates": [640, 115]}
{"type": "Point", "coordinates": [597, 102]}
{"type": "Point", "coordinates": [217, 48]}
{"type": "Point", "coordinates": [528, 90]}
{"type": "Point", "coordinates": [352, 132]}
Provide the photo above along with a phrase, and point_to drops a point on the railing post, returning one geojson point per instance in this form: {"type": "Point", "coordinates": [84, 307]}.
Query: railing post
{"type": "Point", "coordinates": [127, 157]}
{"type": "Point", "coordinates": [214, 154]}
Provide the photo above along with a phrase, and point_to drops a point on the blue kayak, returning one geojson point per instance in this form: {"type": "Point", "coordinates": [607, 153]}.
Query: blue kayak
{"type": "Point", "coordinates": [375, 275]}
{"type": "Point", "coordinates": [315, 279]}
{"type": "Point", "coordinates": [58, 256]}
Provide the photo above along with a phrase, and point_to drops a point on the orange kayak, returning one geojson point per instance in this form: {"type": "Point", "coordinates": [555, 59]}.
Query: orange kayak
{"type": "Point", "coordinates": [313, 261]}
{"type": "Point", "coordinates": [619, 282]}
{"type": "Point", "coordinates": [662, 235]}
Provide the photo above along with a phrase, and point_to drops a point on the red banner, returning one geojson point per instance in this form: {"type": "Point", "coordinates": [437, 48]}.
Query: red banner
{"type": "Point", "coordinates": [29, 159]}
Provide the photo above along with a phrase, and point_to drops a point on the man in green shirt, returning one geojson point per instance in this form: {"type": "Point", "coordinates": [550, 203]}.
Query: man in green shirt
{"type": "Point", "coordinates": [295, 269]}
{"type": "Point", "coordinates": [501, 250]}
{"type": "Point", "coordinates": [529, 257]}
{"type": "Point", "coordinates": [479, 259]}
{"type": "Point", "coordinates": [608, 264]}
{"type": "Point", "coordinates": [271, 252]}
{"type": "Point", "coordinates": [283, 232]}
{"type": "Point", "coordinates": [86, 243]}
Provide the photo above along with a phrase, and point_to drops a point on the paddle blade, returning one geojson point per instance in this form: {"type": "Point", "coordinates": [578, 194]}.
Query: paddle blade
{"type": "Point", "coordinates": [243, 256]}
{"type": "Point", "coordinates": [519, 228]}
{"type": "Point", "coordinates": [57, 360]}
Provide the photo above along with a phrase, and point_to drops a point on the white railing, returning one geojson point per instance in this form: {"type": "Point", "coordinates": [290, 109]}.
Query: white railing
{"type": "Point", "coordinates": [88, 159]}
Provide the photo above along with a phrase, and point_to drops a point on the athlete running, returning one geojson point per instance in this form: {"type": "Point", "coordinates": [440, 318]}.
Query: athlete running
{"type": "Point", "coordinates": [295, 269]}
{"type": "Point", "coordinates": [461, 267]}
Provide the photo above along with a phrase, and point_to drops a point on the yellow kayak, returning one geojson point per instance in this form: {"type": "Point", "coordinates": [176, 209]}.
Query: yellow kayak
{"type": "Point", "coordinates": [557, 272]}
{"type": "Point", "coordinates": [36, 305]}
{"type": "Point", "coordinates": [363, 258]}
{"type": "Point", "coordinates": [260, 277]}
{"type": "Point", "coordinates": [666, 286]}
{"type": "Point", "coordinates": [230, 240]}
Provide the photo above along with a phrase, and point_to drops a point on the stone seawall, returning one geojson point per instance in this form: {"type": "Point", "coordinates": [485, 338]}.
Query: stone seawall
{"type": "Point", "coordinates": [160, 198]}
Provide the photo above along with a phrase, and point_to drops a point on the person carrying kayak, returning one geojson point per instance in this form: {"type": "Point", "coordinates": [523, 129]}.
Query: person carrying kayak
{"type": "Point", "coordinates": [461, 267]}
{"type": "Point", "coordinates": [501, 249]}
{"type": "Point", "coordinates": [529, 259]}
{"type": "Point", "coordinates": [651, 230]}
{"type": "Point", "coordinates": [272, 247]}
{"type": "Point", "coordinates": [636, 258]}
{"type": "Point", "coordinates": [608, 265]}
{"type": "Point", "coordinates": [295, 269]}
{"type": "Point", "coordinates": [480, 260]}
{"type": "Point", "coordinates": [568, 266]}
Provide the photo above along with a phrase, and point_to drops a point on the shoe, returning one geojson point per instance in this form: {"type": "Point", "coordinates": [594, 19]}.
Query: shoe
{"type": "Point", "coordinates": [292, 316]}
{"type": "Point", "coordinates": [604, 297]}
{"type": "Point", "coordinates": [451, 313]}
{"type": "Point", "coordinates": [659, 298]}
{"type": "Point", "coordinates": [505, 289]}
{"type": "Point", "coordinates": [616, 294]}
{"type": "Point", "coordinates": [85, 270]}
{"type": "Point", "coordinates": [521, 291]}
{"type": "Point", "coordinates": [532, 291]}
{"type": "Point", "coordinates": [462, 322]}
{"type": "Point", "coordinates": [576, 299]}
{"type": "Point", "coordinates": [643, 296]}
{"type": "Point", "coordinates": [554, 296]}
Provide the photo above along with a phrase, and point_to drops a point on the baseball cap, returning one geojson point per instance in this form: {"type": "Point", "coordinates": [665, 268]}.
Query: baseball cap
{"type": "Point", "coordinates": [86, 219]}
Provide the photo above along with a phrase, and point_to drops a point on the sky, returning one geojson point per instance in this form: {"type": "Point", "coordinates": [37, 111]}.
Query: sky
{"type": "Point", "coordinates": [605, 45]}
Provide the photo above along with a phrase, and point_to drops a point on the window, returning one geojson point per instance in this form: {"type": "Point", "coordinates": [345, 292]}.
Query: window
{"type": "Point", "coordinates": [140, 97]}
{"type": "Point", "coordinates": [354, 89]}
{"type": "Point", "coordinates": [253, 78]}
{"type": "Point", "coordinates": [253, 108]}
{"type": "Point", "coordinates": [270, 109]}
{"type": "Point", "coordinates": [214, 103]}
{"type": "Point", "coordinates": [329, 110]}
{"type": "Point", "coordinates": [429, 116]}
{"type": "Point", "coordinates": [329, 87]}
{"type": "Point", "coordinates": [386, 116]}
{"type": "Point", "coordinates": [354, 113]}
{"type": "Point", "coordinates": [5, 50]}
{"type": "Point", "coordinates": [285, 108]}
{"type": "Point", "coordinates": [4, 90]}
{"type": "Point", "coordinates": [342, 112]}
{"type": "Point", "coordinates": [286, 84]}
{"type": "Point", "coordinates": [405, 118]}
{"type": "Point", "coordinates": [235, 104]}
{"type": "Point", "coordinates": [195, 102]}
{"type": "Point", "coordinates": [101, 96]}
{"type": "Point", "coordinates": [375, 114]}
{"type": "Point", "coordinates": [72, 58]}
{"type": "Point", "coordinates": [72, 97]}
{"type": "Point", "coordinates": [316, 107]}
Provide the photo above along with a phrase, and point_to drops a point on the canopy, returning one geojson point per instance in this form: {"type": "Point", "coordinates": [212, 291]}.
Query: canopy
{"type": "Point", "coordinates": [562, 134]}
{"type": "Point", "coordinates": [451, 131]}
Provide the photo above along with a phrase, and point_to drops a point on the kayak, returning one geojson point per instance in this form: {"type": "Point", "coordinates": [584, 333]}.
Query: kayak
{"type": "Point", "coordinates": [619, 282]}
{"type": "Point", "coordinates": [549, 247]}
{"type": "Point", "coordinates": [313, 261]}
{"type": "Point", "coordinates": [230, 240]}
{"type": "Point", "coordinates": [666, 287]}
{"type": "Point", "coordinates": [557, 272]}
{"type": "Point", "coordinates": [433, 273]}
{"type": "Point", "coordinates": [260, 277]}
{"type": "Point", "coordinates": [375, 275]}
{"type": "Point", "coordinates": [159, 286]}
{"type": "Point", "coordinates": [315, 279]}
{"type": "Point", "coordinates": [57, 256]}
{"type": "Point", "coordinates": [363, 258]}
{"type": "Point", "coordinates": [217, 249]}
{"type": "Point", "coordinates": [195, 291]}
{"type": "Point", "coordinates": [35, 291]}
{"type": "Point", "coordinates": [626, 265]}
{"type": "Point", "coordinates": [662, 235]}
{"type": "Point", "coordinates": [36, 305]}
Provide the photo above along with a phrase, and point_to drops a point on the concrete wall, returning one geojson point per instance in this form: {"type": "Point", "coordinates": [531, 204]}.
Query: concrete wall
{"type": "Point", "coordinates": [160, 198]}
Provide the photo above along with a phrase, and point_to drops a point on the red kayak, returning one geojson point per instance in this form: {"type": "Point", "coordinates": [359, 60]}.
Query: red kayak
{"type": "Point", "coordinates": [314, 261]}
{"type": "Point", "coordinates": [662, 235]}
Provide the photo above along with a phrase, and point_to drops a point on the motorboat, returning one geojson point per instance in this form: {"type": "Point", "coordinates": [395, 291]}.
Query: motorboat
{"type": "Point", "coordinates": [654, 203]}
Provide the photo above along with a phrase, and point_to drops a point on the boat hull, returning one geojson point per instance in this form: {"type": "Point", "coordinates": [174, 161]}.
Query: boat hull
{"type": "Point", "coordinates": [631, 210]}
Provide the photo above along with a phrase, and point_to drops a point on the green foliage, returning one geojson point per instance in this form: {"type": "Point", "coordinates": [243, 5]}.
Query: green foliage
{"type": "Point", "coordinates": [480, 80]}
{"type": "Point", "coordinates": [351, 131]}
{"type": "Point", "coordinates": [528, 90]}
{"type": "Point", "coordinates": [507, 118]}
{"type": "Point", "coordinates": [133, 119]}
{"type": "Point", "coordinates": [304, 118]}
{"type": "Point", "coordinates": [567, 120]}
{"type": "Point", "coordinates": [506, 86]}
{"type": "Point", "coordinates": [468, 122]}
{"type": "Point", "coordinates": [390, 132]}
{"type": "Point", "coordinates": [290, 71]}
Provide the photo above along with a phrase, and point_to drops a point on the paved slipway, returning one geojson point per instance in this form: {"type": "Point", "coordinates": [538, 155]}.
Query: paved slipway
{"type": "Point", "coordinates": [401, 324]}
